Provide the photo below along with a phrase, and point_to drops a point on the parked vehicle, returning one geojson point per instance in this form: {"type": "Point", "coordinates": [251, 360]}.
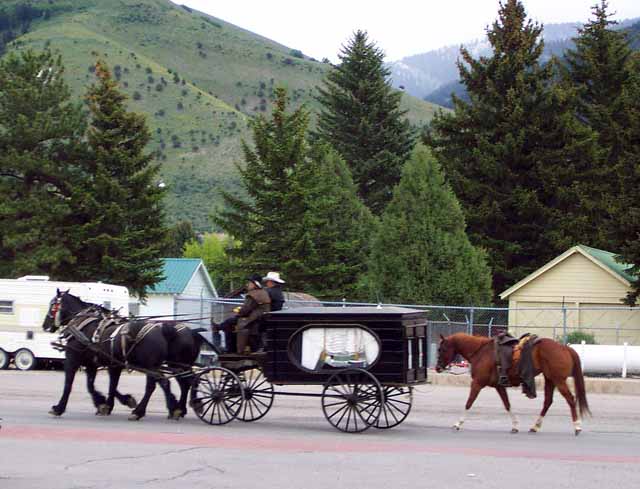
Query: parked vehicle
{"type": "Point", "coordinates": [23, 305]}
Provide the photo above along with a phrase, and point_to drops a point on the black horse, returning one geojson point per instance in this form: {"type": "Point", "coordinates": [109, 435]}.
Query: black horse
{"type": "Point", "coordinates": [97, 337]}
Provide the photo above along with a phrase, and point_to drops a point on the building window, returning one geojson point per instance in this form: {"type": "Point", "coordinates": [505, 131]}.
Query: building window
{"type": "Point", "coordinates": [134, 308]}
{"type": "Point", "coordinates": [6, 307]}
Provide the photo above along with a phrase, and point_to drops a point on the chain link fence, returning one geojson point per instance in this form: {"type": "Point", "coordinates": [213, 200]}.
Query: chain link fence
{"type": "Point", "coordinates": [607, 325]}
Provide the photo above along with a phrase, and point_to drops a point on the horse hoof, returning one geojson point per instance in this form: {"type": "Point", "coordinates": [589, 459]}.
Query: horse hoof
{"type": "Point", "coordinates": [456, 427]}
{"type": "Point", "coordinates": [176, 414]}
{"type": "Point", "coordinates": [533, 430]}
{"type": "Point", "coordinates": [103, 410]}
{"type": "Point", "coordinates": [134, 417]}
{"type": "Point", "coordinates": [131, 402]}
{"type": "Point", "coordinates": [514, 430]}
{"type": "Point", "coordinates": [55, 412]}
{"type": "Point", "coordinates": [578, 431]}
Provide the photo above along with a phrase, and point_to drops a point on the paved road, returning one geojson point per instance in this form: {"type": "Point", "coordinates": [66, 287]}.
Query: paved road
{"type": "Point", "coordinates": [294, 446]}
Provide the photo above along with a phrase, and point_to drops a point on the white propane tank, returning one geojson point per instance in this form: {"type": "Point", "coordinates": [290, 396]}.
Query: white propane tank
{"type": "Point", "coordinates": [609, 359]}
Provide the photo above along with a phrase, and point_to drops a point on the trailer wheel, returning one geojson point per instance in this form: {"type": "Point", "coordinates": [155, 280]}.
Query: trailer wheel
{"type": "Point", "coordinates": [24, 359]}
{"type": "Point", "coordinates": [4, 359]}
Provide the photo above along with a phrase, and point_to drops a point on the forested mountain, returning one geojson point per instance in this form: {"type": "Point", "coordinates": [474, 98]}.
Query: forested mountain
{"type": "Point", "coordinates": [434, 76]}
{"type": "Point", "coordinates": [198, 79]}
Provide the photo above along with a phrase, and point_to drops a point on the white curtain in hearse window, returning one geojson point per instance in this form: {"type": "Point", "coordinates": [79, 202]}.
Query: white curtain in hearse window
{"type": "Point", "coordinates": [319, 348]}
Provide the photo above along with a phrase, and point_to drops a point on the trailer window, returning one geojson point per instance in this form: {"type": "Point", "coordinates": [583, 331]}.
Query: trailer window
{"type": "Point", "coordinates": [6, 307]}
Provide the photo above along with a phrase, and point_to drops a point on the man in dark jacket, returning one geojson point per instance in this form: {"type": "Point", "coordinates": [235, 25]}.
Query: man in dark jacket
{"type": "Point", "coordinates": [246, 321]}
{"type": "Point", "coordinates": [274, 283]}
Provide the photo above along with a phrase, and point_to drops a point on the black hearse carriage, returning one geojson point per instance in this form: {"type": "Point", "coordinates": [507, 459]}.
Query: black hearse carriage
{"type": "Point", "coordinates": [365, 358]}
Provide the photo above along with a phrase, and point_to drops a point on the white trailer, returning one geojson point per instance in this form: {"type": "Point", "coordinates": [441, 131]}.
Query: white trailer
{"type": "Point", "coordinates": [24, 302]}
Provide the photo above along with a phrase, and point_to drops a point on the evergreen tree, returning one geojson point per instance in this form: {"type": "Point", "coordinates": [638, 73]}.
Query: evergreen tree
{"type": "Point", "coordinates": [599, 67]}
{"type": "Point", "coordinates": [514, 153]}
{"type": "Point", "coordinates": [628, 173]}
{"type": "Point", "coordinates": [336, 228]}
{"type": "Point", "coordinates": [267, 223]}
{"type": "Point", "coordinates": [178, 236]}
{"type": "Point", "coordinates": [361, 118]}
{"type": "Point", "coordinates": [303, 218]}
{"type": "Point", "coordinates": [121, 210]}
{"type": "Point", "coordinates": [40, 171]}
{"type": "Point", "coordinates": [421, 254]}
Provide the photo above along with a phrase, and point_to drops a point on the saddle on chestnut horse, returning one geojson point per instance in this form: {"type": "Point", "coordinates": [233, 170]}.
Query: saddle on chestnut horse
{"type": "Point", "coordinates": [516, 353]}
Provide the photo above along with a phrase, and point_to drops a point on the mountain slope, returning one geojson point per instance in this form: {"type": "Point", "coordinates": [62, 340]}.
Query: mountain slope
{"type": "Point", "coordinates": [433, 73]}
{"type": "Point", "coordinates": [198, 79]}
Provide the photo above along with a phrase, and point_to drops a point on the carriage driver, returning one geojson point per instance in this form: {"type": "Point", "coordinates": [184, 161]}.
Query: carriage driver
{"type": "Point", "coordinates": [274, 283]}
{"type": "Point", "coordinates": [246, 321]}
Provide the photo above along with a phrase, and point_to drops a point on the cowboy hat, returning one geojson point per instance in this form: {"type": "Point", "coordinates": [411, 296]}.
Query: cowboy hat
{"type": "Point", "coordinates": [255, 278]}
{"type": "Point", "coordinates": [273, 277]}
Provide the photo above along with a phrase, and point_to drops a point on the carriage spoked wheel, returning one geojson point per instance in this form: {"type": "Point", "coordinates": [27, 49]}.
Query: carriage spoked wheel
{"type": "Point", "coordinates": [217, 395]}
{"type": "Point", "coordinates": [258, 395]}
{"type": "Point", "coordinates": [352, 400]}
{"type": "Point", "coordinates": [395, 407]}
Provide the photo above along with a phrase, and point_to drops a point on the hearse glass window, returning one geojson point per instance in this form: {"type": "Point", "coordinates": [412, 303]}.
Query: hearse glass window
{"type": "Point", "coordinates": [106, 304]}
{"type": "Point", "coordinates": [320, 349]}
{"type": "Point", "coordinates": [6, 307]}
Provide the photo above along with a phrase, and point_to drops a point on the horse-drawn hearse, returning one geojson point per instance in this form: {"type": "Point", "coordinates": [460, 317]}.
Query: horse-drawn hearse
{"type": "Point", "coordinates": [365, 360]}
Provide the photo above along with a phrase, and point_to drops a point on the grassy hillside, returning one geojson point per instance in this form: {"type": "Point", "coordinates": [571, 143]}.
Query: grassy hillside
{"type": "Point", "coordinates": [198, 79]}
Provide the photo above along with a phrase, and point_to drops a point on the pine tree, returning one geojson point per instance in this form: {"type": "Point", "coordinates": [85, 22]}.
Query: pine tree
{"type": "Point", "coordinates": [628, 173]}
{"type": "Point", "coordinates": [267, 222]}
{"type": "Point", "coordinates": [514, 152]}
{"type": "Point", "coordinates": [599, 67]}
{"type": "Point", "coordinates": [303, 217]}
{"type": "Point", "coordinates": [178, 236]}
{"type": "Point", "coordinates": [336, 228]}
{"type": "Point", "coordinates": [41, 146]}
{"type": "Point", "coordinates": [121, 210]}
{"type": "Point", "coordinates": [421, 253]}
{"type": "Point", "coordinates": [361, 118]}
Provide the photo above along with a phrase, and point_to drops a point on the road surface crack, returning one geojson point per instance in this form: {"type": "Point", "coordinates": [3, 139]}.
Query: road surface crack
{"type": "Point", "coordinates": [132, 457]}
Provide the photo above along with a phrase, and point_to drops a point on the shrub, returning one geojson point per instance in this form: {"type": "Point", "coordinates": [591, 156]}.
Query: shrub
{"type": "Point", "coordinates": [148, 70]}
{"type": "Point", "coordinates": [150, 79]}
{"type": "Point", "coordinates": [577, 337]}
{"type": "Point", "coordinates": [185, 92]}
{"type": "Point", "coordinates": [180, 106]}
{"type": "Point", "coordinates": [136, 95]}
{"type": "Point", "coordinates": [159, 87]}
{"type": "Point", "coordinates": [296, 53]}
{"type": "Point", "coordinates": [269, 56]}
{"type": "Point", "coordinates": [199, 45]}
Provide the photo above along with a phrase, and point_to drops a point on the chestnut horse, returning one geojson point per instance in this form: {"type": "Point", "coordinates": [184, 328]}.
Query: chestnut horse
{"type": "Point", "coordinates": [555, 361]}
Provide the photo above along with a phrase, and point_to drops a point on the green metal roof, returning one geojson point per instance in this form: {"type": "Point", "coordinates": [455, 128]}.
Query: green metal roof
{"type": "Point", "coordinates": [176, 272]}
{"type": "Point", "coordinates": [608, 259]}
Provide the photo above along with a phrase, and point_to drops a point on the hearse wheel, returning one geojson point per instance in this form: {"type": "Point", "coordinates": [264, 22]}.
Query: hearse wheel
{"type": "Point", "coordinates": [258, 395]}
{"type": "Point", "coordinates": [396, 406]}
{"type": "Point", "coordinates": [351, 400]}
{"type": "Point", "coordinates": [216, 395]}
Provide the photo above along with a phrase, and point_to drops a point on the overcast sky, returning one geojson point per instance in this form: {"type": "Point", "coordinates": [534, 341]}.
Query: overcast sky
{"type": "Point", "coordinates": [319, 28]}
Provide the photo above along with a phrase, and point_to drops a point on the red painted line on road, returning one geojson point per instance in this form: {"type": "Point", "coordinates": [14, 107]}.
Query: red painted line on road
{"type": "Point", "coordinates": [34, 433]}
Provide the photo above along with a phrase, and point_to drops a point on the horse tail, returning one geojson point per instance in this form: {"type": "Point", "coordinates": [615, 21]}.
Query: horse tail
{"type": "Point", "coordinates": [578, 379]}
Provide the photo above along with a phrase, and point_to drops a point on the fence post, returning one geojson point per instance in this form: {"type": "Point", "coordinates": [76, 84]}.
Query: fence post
{"type": "Point", "coordinates": [471, 321]}
{"type": "Point", "coordinates": [564, 324]}
{"type": "Point", "coordinates": [624, 361]}
{"type": "Point", "coordinates": [201, 305]}
{"type": "Point", "coordinates": [617, 334]}
{"type": "Point", "coordinates": [344, 302]}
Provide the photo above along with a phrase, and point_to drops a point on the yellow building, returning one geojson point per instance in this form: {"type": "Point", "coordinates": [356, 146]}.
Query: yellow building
{"type": "Point", "coordinates": [580, 289]}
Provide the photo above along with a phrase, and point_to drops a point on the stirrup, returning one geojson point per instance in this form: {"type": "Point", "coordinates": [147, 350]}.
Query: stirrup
{"type": "Point", "coordinates": [503, 381]}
